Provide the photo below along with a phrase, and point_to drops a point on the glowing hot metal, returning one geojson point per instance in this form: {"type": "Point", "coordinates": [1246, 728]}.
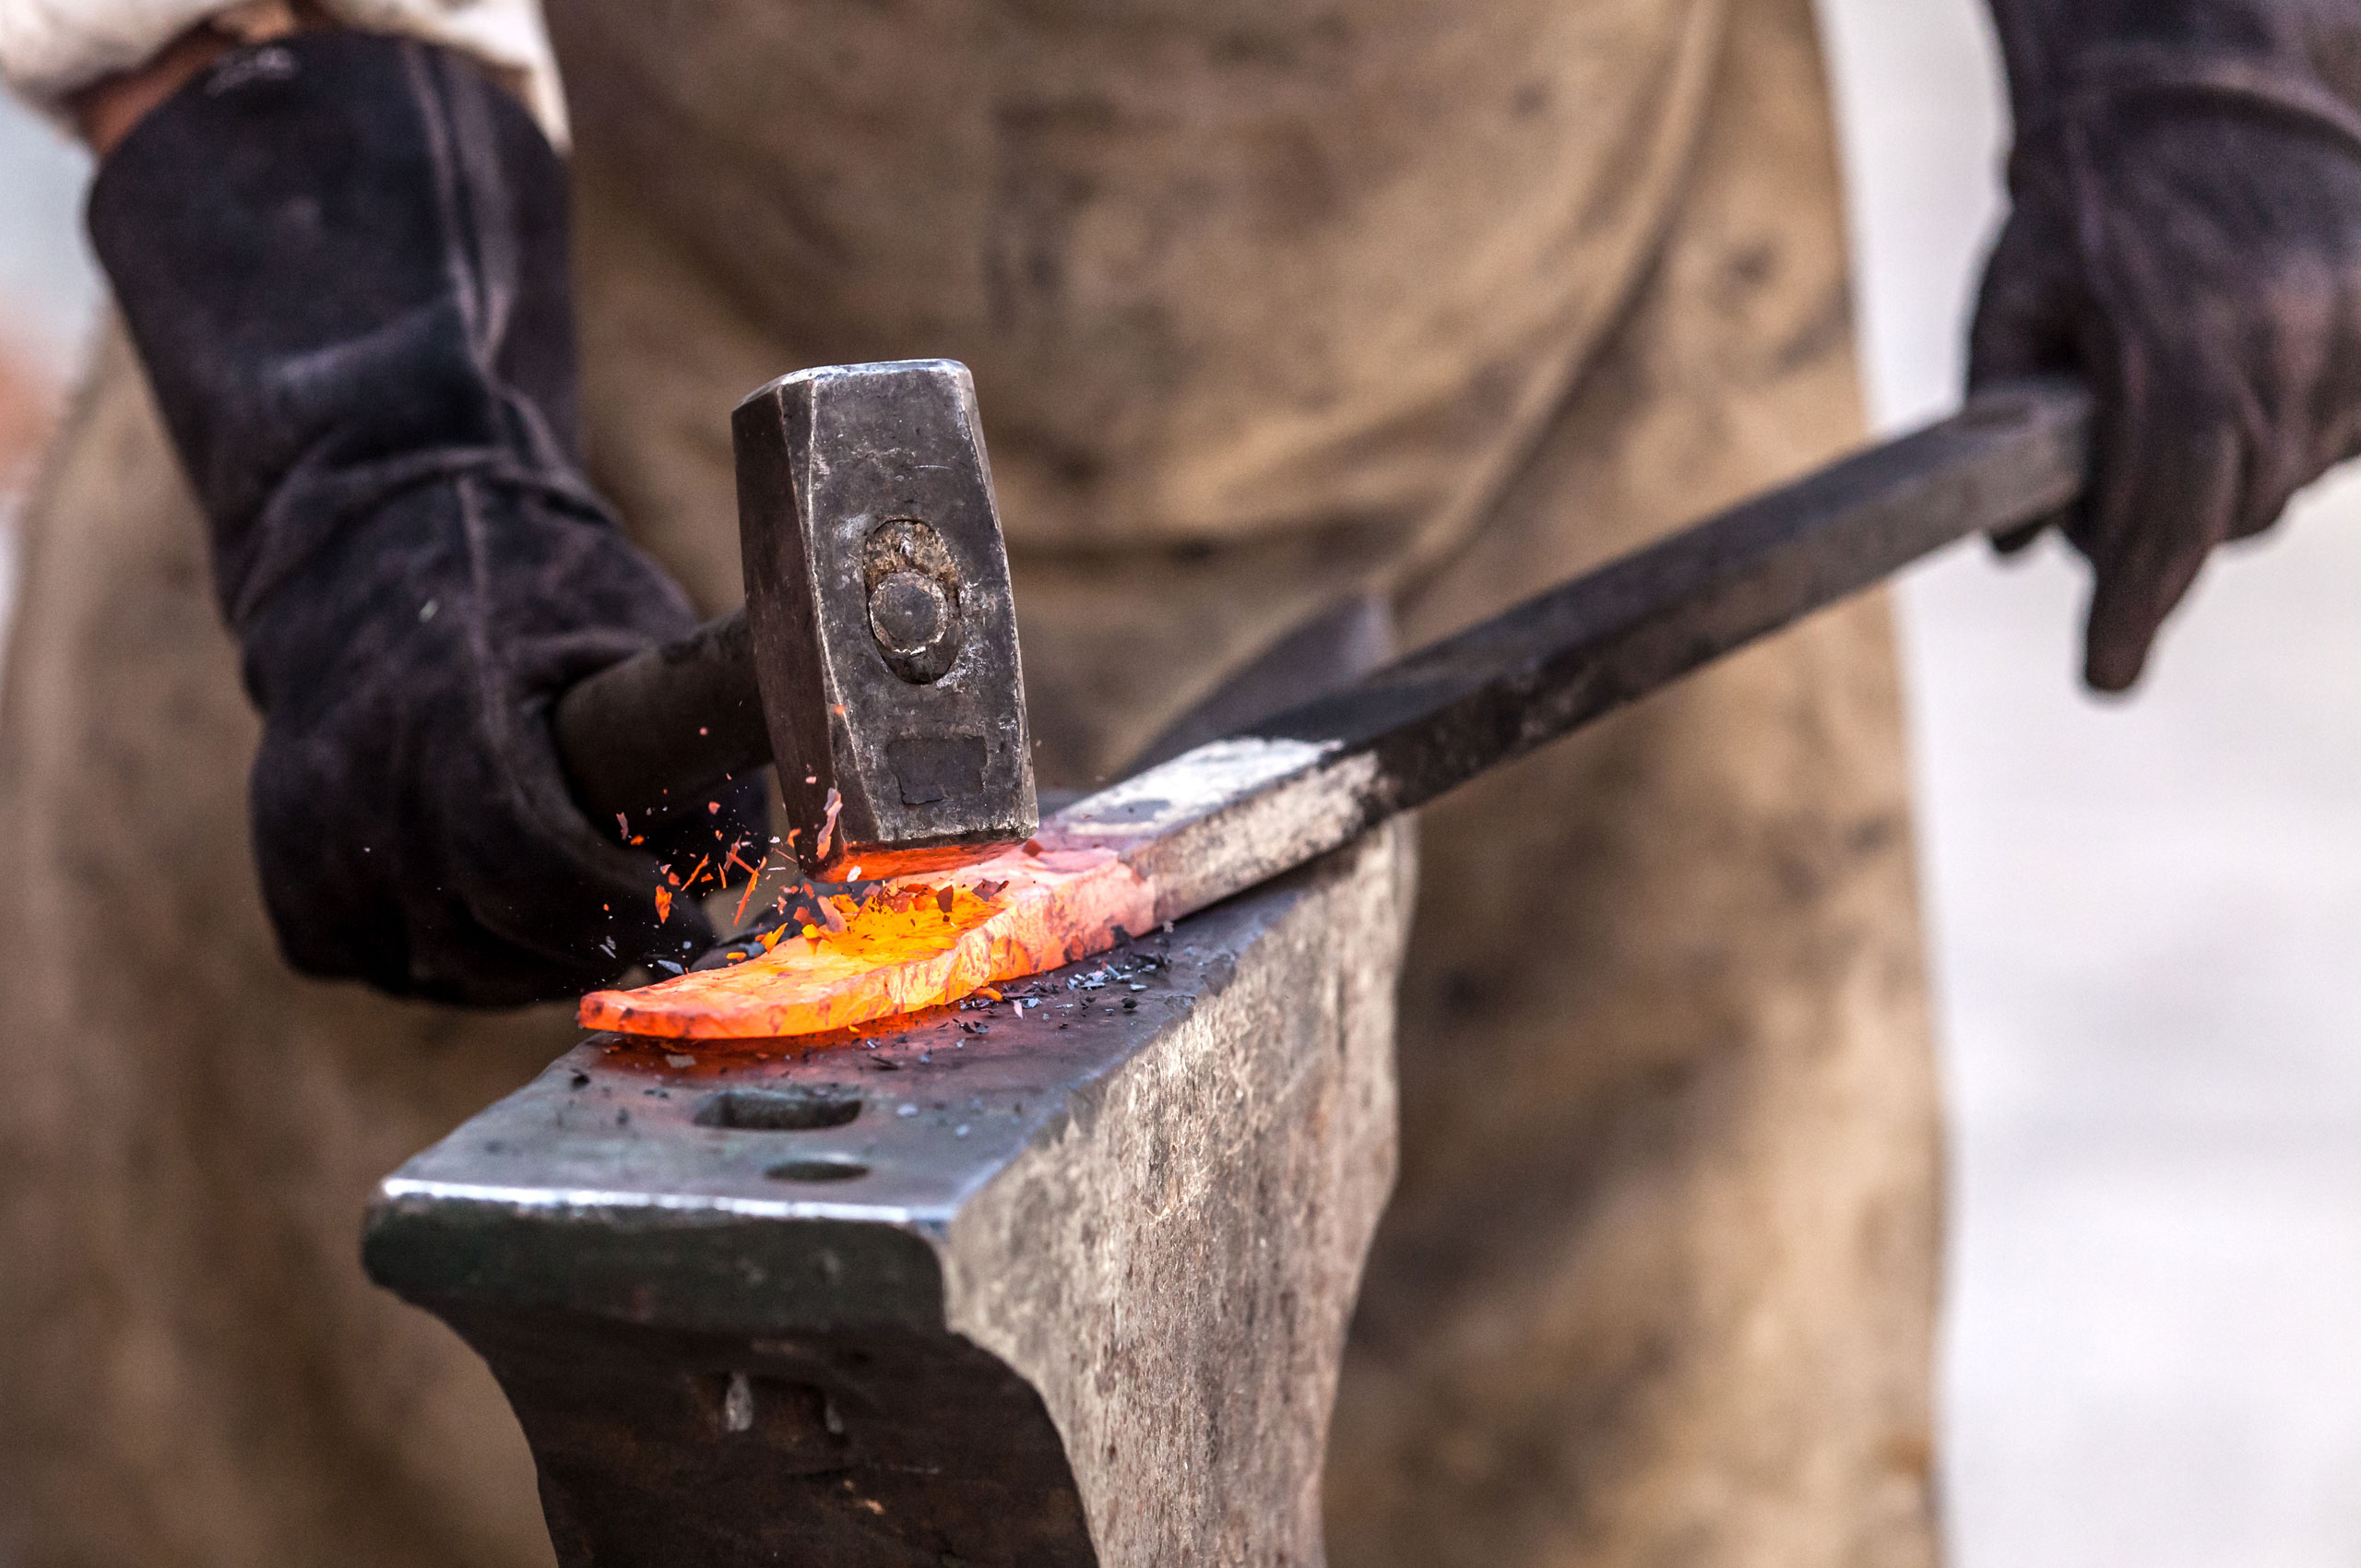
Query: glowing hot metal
{"type": "Point", "coordinates": [1104, 871]}
{"type": "Point", "coordinates": [1047, 910]}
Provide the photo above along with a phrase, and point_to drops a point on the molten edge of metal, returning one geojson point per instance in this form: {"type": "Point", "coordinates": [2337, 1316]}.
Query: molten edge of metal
{"type": "Point", "coordinates": [1054, 906]}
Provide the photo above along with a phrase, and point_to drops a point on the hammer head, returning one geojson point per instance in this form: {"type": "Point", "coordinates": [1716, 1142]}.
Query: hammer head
{"type": "Point", "coordinates": [884, 633]}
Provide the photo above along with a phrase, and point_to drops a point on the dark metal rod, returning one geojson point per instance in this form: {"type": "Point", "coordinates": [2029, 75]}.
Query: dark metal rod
{"type": "Point", "coordinates": [665, 727]}
{"type": "Point", "coordinates": [1223, 818]}
{"type": "Point", "coordinates": [1529, 675]}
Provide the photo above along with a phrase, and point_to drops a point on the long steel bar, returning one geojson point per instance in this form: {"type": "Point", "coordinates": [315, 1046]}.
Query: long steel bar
{"type": "Point", "coordinates": [1234, 813]}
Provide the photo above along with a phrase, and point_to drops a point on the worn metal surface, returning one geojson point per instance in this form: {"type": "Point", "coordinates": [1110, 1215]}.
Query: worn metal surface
{"type": "Point", "coordinates": [1059, 1285]}
{"type": "Point", "coordinates": [884, 628]}
{"type": "Point", "coordinates": [876, 656]}
{"type": "Point", "coordinates": [1232, 813]}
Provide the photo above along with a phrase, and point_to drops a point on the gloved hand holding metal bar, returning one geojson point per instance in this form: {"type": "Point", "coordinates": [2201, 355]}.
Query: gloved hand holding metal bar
{"type": "Point", "coordinates": [2185, 236]}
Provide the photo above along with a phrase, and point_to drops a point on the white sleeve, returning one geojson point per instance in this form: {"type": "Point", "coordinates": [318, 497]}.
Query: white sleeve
{"type": "Point", "coordinates": [50, 49]}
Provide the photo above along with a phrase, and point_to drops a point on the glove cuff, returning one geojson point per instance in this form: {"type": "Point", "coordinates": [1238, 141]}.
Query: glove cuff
{"type": "Point", "coordinates": [344, 260]}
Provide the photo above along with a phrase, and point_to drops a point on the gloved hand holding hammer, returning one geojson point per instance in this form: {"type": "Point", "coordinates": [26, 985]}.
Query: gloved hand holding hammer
{"type": "Point", "coordinates": [344, 260]}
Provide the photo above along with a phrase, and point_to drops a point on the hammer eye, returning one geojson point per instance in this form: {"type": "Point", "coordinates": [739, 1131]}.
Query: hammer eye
{"type": "Point", "coordinates": [913, 589]}
{"type": "Point", "coordinates": [908, 613]}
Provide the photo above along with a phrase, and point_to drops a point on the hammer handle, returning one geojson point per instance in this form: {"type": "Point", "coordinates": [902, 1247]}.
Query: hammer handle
{"type": "Point", "coordinates": [665, 727]}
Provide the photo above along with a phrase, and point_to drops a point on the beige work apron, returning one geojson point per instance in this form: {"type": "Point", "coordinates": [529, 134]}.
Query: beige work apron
{"type": "Point", "coordinates": [1268, 301]}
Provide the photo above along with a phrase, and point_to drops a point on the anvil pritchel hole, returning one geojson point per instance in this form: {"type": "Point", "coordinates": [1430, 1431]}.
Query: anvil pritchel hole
{"type": "Point", "coordinates": [817, 1170]}
{"type": "Point", "coordinates": [773, 1111]}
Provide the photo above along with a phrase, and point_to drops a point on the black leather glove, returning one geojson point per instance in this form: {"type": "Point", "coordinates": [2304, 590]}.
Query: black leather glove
{"type": "Point", "coordinates": [2186, 237]}
{"type": "Point", "coordinates": [344, 261]}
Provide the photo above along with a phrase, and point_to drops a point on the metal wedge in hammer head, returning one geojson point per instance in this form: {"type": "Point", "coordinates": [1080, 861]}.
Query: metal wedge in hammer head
{"type": "Point", "coordinates": [875, 662]}
{"type": "Point", "coordinates": [878, 599]}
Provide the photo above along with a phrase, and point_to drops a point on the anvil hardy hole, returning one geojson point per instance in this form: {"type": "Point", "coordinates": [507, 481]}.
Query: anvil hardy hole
{"type": "Point", "coordinates": [817, 1170]}
{"type": "Point", "coordinates": [774, 1111]}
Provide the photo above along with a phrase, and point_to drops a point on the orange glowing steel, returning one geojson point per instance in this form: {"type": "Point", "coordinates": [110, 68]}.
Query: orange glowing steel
{"type": "Point", "coordinates": [909, 946]}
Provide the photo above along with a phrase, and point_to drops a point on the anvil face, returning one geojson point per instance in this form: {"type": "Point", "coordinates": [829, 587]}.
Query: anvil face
{"type": "Point", "coordinates": [1062, 1283]}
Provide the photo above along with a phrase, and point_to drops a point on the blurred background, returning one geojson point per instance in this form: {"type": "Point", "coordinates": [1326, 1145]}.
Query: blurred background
{"type": "Point", "coordinates": [2147, 917]}
{"type": "Point", "coordinates": [2144, 915]}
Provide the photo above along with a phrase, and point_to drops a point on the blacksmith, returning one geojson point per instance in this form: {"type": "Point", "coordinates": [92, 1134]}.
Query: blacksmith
{"type": "Point", "coordinates": [1271, 305]}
